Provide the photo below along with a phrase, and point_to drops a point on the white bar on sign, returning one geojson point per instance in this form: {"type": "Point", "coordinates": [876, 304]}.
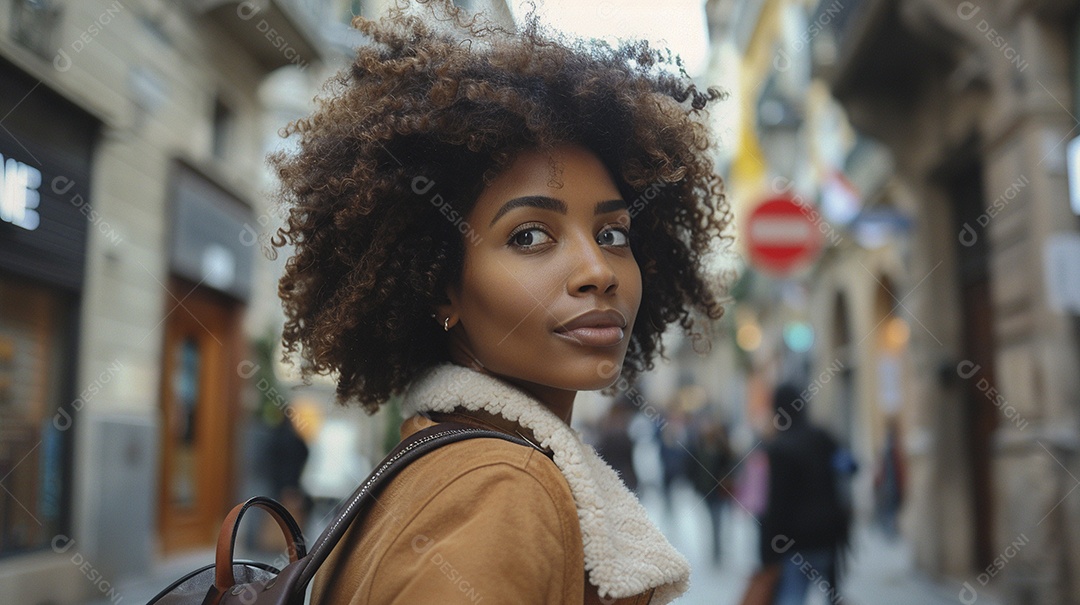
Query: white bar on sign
{"type": "Point", "coordinates": [1061, 262]}
{"type": "Point", "coordinates": [778, 231]}
{"type": "Point", "coordinates": [1072, 151]}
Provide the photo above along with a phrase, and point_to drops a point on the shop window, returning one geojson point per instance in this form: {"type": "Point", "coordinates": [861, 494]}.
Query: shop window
{"type": "Point", "coordinates": [186, 398]}
{"type": "Point", "coordinates": [32, 361]}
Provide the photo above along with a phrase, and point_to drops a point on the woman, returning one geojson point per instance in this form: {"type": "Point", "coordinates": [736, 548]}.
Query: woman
{"type": "Point", "coordinates": [490, 221]}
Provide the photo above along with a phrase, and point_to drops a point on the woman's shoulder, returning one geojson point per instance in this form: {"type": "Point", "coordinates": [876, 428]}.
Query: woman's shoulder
{"type": "Point", "coordinates": [485, 457]}
{"type": "Point", "coordinates": [487, 483]}
{"type": "Point", "coordinates": [489, 508]}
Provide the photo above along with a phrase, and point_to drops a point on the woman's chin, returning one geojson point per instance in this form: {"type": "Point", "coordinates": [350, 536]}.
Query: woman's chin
{"type": "Point", "coordinates": [602, 375]}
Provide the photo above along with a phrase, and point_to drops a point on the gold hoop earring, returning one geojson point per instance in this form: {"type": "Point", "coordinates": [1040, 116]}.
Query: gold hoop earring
{"type": "Point", "coordinates": [446, 325]}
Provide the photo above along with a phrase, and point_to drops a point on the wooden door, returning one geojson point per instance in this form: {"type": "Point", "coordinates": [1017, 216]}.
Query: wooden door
{"type": "Point", "coordinates": [198, 392]}
{"type": "Point", "coordinates": [980, 414]}
{"type": "Point", "coordinates": [977, 324]}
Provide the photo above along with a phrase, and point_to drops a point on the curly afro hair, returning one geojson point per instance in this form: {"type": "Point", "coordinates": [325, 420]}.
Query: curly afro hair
{"type": "Point", "coordinates": [454, 99]}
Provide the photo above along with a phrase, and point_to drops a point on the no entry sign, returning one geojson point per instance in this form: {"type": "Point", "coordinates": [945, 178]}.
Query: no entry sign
{"type": "Point", "coordinates": [781, 236]}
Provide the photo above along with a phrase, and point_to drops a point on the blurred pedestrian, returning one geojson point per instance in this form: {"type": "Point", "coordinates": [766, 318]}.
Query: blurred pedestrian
{"type": "Point", "coordinates": [805, 527]}
{"type": "Point", "coordinates": [673, 436]}
{"type": "Point", "coordinates": [889, 482]}
{"type": "Point", "coordinates": [285, 456]}
{"type": "Point", "coordinates": [711, 474]}
{"type": "Point", "coordinates": [614, 443]}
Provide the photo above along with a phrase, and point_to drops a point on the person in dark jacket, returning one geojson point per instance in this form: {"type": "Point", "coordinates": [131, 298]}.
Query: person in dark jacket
{"type": "Point", "coordinates": [711, 474]}
{"type": "Point", "coordinates": [285, 456]}
{"type": "Point", "coordinates": [805, 527]}
{"type": "Point", "coordinates": [614, 443]}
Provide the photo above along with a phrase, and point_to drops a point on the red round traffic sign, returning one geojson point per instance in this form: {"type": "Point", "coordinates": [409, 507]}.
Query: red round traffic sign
{"type": "Point", "coordinates": [781, 236]}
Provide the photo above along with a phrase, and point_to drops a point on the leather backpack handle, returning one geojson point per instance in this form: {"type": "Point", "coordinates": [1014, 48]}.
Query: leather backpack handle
{"type": "Point", "coordinates": [294, 538]}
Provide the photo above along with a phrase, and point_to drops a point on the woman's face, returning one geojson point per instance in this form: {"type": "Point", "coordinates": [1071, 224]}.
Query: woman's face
{"type": "Point", "coordinates": [549, 289]}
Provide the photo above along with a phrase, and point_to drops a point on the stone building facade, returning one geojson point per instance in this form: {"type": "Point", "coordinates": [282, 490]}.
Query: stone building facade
{"type": "Point", "coordinates": [133, 138]}
{"type": "Point", "coordinates": [976, 101]}
{"type": "Point", "coordinates": [941, 304]}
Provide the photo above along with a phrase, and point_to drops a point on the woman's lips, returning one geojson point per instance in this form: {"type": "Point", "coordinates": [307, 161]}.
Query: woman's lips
{"type": "Point", "coordinates": [594, 328]}
{"type": "Point", "coordinates": [593, 336]}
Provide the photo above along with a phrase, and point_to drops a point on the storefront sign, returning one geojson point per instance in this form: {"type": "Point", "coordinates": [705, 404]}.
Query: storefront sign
{"type": "Point", "coordinates": [19, 196]}
{"type": "Point", "coordinates": [43, 231]}
{"type": "Point", "coordinates": [207, 247]}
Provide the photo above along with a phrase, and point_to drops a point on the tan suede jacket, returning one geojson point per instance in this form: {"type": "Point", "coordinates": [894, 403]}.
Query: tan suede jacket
{"type": "Point", "coordinates": [478, 521]}
{"type": "Point", "coordinates": [491, 521]}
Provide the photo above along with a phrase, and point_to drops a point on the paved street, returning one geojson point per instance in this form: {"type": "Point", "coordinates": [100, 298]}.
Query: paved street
{"type": "Point", "coordinates": [881, 571]}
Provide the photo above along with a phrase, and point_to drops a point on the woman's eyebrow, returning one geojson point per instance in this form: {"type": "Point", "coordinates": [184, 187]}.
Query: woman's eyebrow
{"type": "Point", "coordinates": [556, 205]}
{"type": "Point", "coordinates": [536, 201]}
{"type": "Point", "coordinates": [610, 206]}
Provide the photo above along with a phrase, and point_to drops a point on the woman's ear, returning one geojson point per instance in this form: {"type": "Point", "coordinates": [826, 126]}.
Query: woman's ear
{"type": "Point", "coordinates": [448, 309]}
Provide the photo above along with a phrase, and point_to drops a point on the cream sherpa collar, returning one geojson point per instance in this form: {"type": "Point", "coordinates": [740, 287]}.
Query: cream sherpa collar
{"type": "Point", "coordinates": [625, 554]}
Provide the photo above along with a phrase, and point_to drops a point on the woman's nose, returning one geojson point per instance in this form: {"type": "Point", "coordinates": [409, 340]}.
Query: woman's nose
{"type": "Point", "coordinates": [592, 271]}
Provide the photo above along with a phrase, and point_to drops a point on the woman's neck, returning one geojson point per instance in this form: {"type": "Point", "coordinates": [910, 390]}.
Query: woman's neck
{"type": "Point", "coordinates": [559, 401]}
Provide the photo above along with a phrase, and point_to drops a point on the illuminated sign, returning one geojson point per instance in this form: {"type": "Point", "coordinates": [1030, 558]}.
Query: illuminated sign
{"type": "Point", "coordinates": [19, 196]}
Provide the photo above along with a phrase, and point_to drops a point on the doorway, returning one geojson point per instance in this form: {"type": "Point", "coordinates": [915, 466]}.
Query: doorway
{"type": "Point", "coordinates": [199, 389]}
{"type": "Point", "coordinates": [964, 185]}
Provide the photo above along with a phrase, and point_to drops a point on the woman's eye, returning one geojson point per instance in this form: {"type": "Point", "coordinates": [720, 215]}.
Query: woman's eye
{"type": "Point", "coordinates": [613, 237]}
{"type": "Point", "coordinates": [529, 237]}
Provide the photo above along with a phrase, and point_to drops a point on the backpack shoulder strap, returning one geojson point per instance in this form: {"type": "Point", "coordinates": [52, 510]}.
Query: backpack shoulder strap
{"type": "Point", "coordinates": [407, 451]}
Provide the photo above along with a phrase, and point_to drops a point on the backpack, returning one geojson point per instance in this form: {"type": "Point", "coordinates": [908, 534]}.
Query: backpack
{"type": "Point", "coordinates": [228, 581]}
